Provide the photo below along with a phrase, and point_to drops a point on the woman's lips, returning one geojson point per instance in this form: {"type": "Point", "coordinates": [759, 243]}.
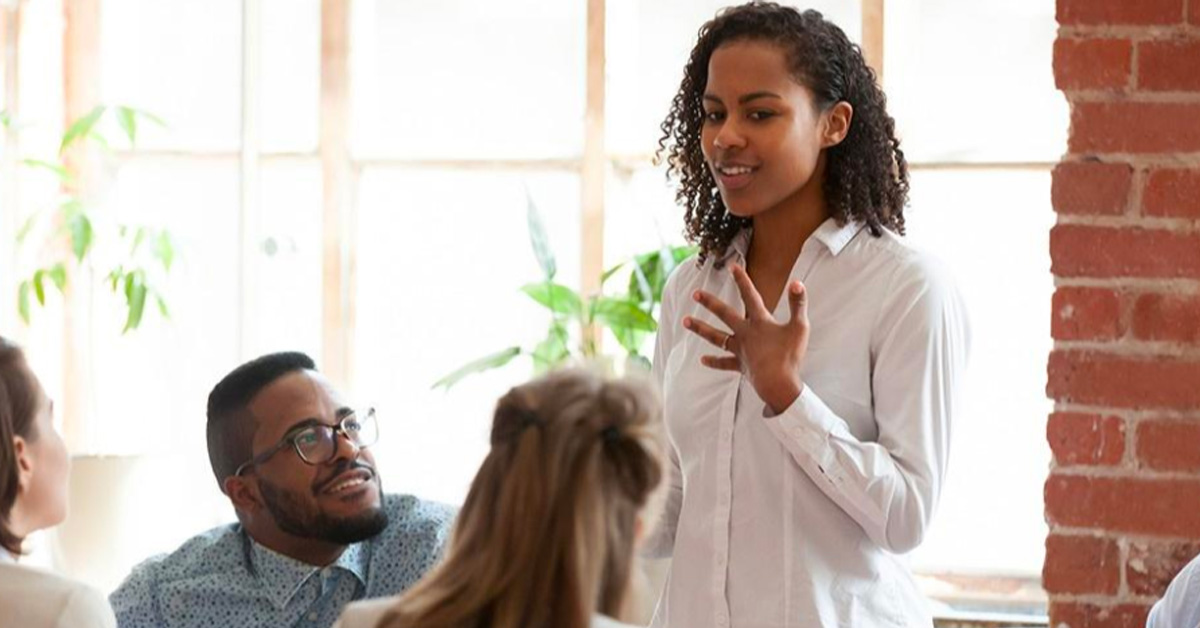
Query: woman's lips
{"type": "Point", "coordinates": [733, 177]}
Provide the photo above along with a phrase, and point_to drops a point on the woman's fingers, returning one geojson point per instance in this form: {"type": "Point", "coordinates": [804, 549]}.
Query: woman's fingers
{"type": "Point", "coordinates": [798, 302]}
{"type": "Point", "coordinates": [721, 363]}
{"type": "Point", "coordinates": [750, 296]}
{"type": "Point", "coordinates": [719, 308]}
{"type": "Point", "coordinates": [714, 336]}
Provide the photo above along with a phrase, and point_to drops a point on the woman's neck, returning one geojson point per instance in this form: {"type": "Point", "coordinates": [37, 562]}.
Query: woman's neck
{"type": "Point", "coordinates": [780, 232]}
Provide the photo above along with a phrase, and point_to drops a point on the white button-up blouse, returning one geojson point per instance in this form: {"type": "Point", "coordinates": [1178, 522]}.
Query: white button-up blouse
{"type": "Point", "coordinates": [800, 519]}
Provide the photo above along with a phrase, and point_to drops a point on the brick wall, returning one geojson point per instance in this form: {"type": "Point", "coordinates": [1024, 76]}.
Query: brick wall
{"type": "Point", "coordinates": [1123, 497]}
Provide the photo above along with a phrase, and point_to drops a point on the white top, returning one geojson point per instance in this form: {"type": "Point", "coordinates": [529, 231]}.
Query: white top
{"type": "Point", "coordinates": [798, 519]}
{"type": "Point", "coordinates": [33, 598]}
{"type": "Point", "coordinates": [367, 613]}
{"type": "Point", "coordinates": [1180, 605]}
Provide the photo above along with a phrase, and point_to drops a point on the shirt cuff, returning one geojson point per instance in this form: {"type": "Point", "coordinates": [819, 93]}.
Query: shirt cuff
{"type": "Point", "coordinates": [808, 422]}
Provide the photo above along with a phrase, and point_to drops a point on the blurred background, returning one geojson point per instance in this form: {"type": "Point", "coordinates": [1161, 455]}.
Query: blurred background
{"type": "Point", "coordinates": [209, 180]}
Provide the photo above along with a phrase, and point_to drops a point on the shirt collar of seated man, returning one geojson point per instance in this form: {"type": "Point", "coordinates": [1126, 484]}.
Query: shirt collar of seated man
{"type": "Point", "coordinates": [307, 510]}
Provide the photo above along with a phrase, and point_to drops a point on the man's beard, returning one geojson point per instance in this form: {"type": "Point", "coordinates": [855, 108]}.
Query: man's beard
{"type": "Point", "coordinates": [296, 517]}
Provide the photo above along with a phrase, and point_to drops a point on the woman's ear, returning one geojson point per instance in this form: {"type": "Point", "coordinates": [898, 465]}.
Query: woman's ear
{"type": "Point", "coordinates": [24, 464]}
{"type": "Point", "coordinates": [242, 493]}
{"type": "Point", "coordinates": [836, 125]}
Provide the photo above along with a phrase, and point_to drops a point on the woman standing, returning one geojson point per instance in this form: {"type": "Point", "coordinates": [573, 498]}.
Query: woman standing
{"type": "Point", "coordinates": [809, 359]}
{"type": "Point", "coordinates": [33, 496]}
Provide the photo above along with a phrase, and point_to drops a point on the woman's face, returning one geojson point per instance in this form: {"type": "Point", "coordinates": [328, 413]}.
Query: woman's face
{"type": "Point", "coordinates": [43, 469]}
{"type": "Point", "coordinates": [763, 135]}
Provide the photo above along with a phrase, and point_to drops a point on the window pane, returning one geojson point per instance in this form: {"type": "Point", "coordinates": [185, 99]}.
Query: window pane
{"type": "Point", "coordinates": [291, 74]}
{"type": "Point", "coordinates": [40, 119]}
{"type": "Point", "coordinates": [971, 80]}
{"type": "Point", "coordinates": [460, 78]}
{"type": "Point", "coordinates": [648, 45]}
{"type": "Point", "coordinates": [180, 60]}
{"type": "Point", "coordinates": [990, 518]}
{"type": "Point", "coordinates": [640, 214]}
{"type": "Point", "coordinates": [149, 386]}
{"type": "Point", "coordinates": [285, 269]}
{"type": "Point", "coordinates": [442, 256]}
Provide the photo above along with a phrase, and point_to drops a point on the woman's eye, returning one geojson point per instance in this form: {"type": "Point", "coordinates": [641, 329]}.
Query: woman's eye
{"type": "Point", "coordinates": [761, 115]}
{"type": "Point", "coordinates": [714, 116]}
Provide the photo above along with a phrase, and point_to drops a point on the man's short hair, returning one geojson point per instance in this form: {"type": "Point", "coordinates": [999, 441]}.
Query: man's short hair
{"type": "Point", "coordinates": [231, 426]}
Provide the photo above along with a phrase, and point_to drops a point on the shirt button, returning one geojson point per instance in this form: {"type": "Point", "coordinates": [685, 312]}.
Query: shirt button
{"type": "Point", "coordinates": [722, 618]}
{"type": "Point", "coordinates": [312, 617]}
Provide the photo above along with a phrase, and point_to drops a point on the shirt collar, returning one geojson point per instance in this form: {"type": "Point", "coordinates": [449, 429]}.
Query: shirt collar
{"type": "Point", "coordinates": [833, 236]}
{"type": "Point", "coordinates": [282, 576]}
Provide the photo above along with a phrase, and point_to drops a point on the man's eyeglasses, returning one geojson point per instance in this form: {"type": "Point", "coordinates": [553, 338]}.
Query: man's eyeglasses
{"type": "Point", "coordinates": [318, 443]}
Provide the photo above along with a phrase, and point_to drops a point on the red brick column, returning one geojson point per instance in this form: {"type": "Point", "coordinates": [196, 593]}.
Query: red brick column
{"type": "Point", "coordinates": [1123, 497]}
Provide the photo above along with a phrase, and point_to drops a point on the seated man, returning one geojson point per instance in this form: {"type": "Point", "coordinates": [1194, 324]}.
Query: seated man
{"type": "Point", "coordinates": [315, 530]}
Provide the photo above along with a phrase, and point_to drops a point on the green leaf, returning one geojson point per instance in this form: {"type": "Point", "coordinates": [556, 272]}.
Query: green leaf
{"type": "Point", "coordinates": [115, 277]}
{"type": "Point", "coordinates": [556, 297]}
{"type": "Point", "coordinates": [610, 272]}
{"type": "Point", "coordinates": [486, 363]}
{"type": "Point", "coordinates": [618, 314]}
{"type": "Point", "coordinates": [162, 305]}
{"type": "Point", "coordinates": [81, 128]}
{"type": "Point", "coordinates": [135, 298]}
{"type": "Point", "coordinates": [57, 169]}
{"type": "Point", "coordinates": [139, 236]}
{"type": "Point", "coordinates": [641, 362]}
{"type": "Point", "coordinates": [39, 289]}
{"type": "Point", "coordinates": [23, 301]}
{"type": "Point", "coordinates": [28, 225]}
{"type": "Point", "coordinates": [58, 274]}
{"type": "Point", "coordinates": [164, 249]}
{"type": "Point", "coordinates": [639, 280]}
{"type": "Point", "coordinates": [5, 119]}
{"type": "Point", "coordinates": [552, 351]}
{"type": "Point", "coordinates": [539, 240]}
{"type": "Point", "coordinates": [81, 235]}
{"type": "Point", "coordinates": [630, 339]}
{"type": "Point", "coordinates": [146, 115]}
{"type": "Point", "coordinates": [127, 118]}
{"type": "Point", "coordinates": [70, 208]}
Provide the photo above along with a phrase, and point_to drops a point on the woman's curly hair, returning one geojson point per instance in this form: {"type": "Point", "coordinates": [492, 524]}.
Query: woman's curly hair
{"type": "Point", "coordinates": [866, 177]}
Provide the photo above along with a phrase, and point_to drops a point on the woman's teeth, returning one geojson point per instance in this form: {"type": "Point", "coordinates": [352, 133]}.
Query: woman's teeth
{"type": "Point", "coordinates": [732, 171]}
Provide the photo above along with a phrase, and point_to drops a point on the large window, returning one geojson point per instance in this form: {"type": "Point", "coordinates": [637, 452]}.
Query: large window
{"type": "Point", "coordinates": [375, 159]}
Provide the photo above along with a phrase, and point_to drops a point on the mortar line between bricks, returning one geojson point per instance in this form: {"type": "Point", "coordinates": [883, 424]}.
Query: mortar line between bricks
{"type": "Point", "coordinates": [1125, 473]}
{"type": "Point", "coordinates": [1101, 96]}
{"type": "Point", "coordinates": [1100, 599]}
{"type": "Point", "coordinates": [1138, 32]}
{"type": "Point", "coordinates": [1137, 537]}
{"type": "Point", "coordinates": [1148, 223]}
{"type": "Point", "coordinates": [1138, 160]}
{"type": "Point", "coordinates": [1135, 349]}
{"type": "Point", "coordinates": [1129, 414]}
{"type": "Point", "coordinates": [1140, 284]}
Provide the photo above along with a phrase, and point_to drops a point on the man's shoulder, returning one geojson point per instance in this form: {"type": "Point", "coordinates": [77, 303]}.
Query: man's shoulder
{"type": "Point", "coordinates": [408, 515]}
{"type": "Point", "coordinates": [218, 550]}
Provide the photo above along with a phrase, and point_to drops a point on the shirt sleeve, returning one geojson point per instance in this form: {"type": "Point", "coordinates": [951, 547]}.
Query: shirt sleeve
{"type": "Point", "coordinates": [1180, 605]}
{"type": "Point", "coordinates": [661, 541]}
{"type": "Point", "coordinates": [135, 602]}
{"type": "Point", "coordinates": [86, 608]}
{"type": "Point", "coordinates": [919, 354]}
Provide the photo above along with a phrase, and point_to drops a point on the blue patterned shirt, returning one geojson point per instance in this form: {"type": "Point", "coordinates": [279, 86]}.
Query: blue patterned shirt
{"type": "Point", "coordinates": [223, 578]}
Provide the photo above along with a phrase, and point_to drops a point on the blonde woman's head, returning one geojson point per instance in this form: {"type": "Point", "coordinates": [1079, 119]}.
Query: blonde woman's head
{"type": "Point", "coordinates": [547, 534]}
